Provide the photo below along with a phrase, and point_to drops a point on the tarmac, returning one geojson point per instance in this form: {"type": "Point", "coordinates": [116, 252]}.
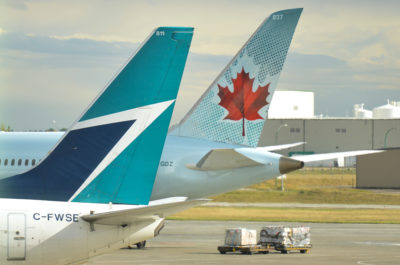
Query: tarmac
{"type": "Point", "coordinates": [196, 242]}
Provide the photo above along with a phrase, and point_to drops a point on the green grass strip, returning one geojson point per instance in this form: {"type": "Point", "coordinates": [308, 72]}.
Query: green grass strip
{"type": "Point", "coordinates": [306, 215]}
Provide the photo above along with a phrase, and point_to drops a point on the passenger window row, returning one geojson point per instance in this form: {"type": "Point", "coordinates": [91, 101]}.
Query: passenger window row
{"type": "Point", "coordinates": [15, 162]}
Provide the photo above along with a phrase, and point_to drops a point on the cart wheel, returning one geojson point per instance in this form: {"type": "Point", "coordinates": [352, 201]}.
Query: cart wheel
{"type": "Point", "coordinates": [284, 251]}
{"type": "Point", "coordinates": [141, 244]}
{"type": "Point", "coordinates": [222, 252]}
{"type": "Point", "coordinates": [303, 251]}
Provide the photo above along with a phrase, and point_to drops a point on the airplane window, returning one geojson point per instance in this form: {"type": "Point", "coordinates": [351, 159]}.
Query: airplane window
{"type": "Point", "coordinates": [19, 162]}
{"type": "Point", "coordinates": [26, 162]}
{"type": "Point", "coordinates": [6, 162]}
{"type": "Point", "coordinates": [12, 162]}
{"type": "Point", "coordinates": [33, 162]}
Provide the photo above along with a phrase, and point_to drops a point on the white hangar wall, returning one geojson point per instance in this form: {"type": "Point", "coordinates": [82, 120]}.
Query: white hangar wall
{"type": "Point", "coordinates": [292, 104]}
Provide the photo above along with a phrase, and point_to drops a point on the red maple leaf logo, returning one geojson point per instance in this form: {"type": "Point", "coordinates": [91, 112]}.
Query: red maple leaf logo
{"type": "Point", "coordinates": [243, 103]}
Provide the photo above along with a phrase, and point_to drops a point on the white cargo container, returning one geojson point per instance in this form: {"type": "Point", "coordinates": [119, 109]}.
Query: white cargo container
{"type": "Point", "coordinates": [240, 237]}
{"type": "Point", "coordinates": [287, 237]}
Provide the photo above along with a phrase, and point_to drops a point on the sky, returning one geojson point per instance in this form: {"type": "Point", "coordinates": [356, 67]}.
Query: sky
{"type": "Point", "coordinates": [56, 56]}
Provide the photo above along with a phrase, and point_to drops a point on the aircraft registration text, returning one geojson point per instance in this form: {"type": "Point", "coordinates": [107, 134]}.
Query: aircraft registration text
{"type": "Point", "coordinates": [60, 217]}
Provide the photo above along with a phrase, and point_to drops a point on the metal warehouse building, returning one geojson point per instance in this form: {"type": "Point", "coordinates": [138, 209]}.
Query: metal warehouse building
{"type": "Point", "coordinates": [332, 135]}
{"type": "Point", "coordinates": [292, 120]}
{"type": "Point", "coordinates": [346, 134]}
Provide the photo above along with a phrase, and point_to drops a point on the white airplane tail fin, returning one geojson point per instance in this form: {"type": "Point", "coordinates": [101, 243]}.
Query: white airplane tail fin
{"type": "Point", "coordinates": [235, 106]}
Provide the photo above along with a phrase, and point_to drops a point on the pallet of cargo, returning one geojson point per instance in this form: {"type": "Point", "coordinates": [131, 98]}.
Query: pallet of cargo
{"type": "Point", "coordinates": [272, 238]}
{"type": "Point", "coordinates": [286, 239]}
{"type": "Point", "coordinates": [245, 249]}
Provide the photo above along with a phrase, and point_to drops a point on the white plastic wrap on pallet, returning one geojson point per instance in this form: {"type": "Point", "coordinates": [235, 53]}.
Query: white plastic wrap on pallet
{"type": "Point", "coordinates": [240, 237]}
{"type": "Point", "coordinates": [286, 236]}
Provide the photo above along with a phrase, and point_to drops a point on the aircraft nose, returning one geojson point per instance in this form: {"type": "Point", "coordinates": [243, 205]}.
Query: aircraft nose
{"type": "Point", "coordinates": [287, 164]}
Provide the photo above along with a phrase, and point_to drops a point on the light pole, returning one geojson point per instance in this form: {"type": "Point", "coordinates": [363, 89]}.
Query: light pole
{"type": "Point", "coordinates": [277, 131]}
{"type": "Point", "coordinates": [282, 177]}
{"type": "Point", "coordinates": [276, 142]}
{"type": "Point", "coordinates": [386, 134]}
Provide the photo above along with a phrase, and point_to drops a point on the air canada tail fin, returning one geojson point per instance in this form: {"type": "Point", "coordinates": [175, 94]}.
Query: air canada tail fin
{"type": "Point", "coordinates": [111, 153]}
{"type": "Point", "coordinates": [235, 106]}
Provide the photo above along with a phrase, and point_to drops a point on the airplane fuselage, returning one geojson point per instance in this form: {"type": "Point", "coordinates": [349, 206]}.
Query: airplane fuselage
{"type": "Point", "coordinates": [44, 232]}
{"type": "Point", "coordinates": [174, 176]}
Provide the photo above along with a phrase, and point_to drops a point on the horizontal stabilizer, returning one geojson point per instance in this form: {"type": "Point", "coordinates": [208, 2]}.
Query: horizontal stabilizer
{"type": "Point", "coordinates": [157, 209]}
{"type": "Point", "coordinates": [224, 159]}
{"type": "Point", "coordinates": [327, 156]}
{"type": "Point", "coordinates": [221, 159]}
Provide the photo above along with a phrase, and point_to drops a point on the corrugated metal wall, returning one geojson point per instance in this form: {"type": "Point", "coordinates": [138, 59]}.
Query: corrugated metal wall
{"type": "Point", "coordinates": [332, 135]}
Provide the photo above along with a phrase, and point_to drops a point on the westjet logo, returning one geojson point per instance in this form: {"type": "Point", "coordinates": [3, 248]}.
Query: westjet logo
{"type": "Point", "coordinates": [143, 117]}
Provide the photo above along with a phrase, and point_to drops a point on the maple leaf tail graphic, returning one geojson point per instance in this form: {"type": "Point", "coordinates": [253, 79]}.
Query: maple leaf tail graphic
{"type": "Point", "coordinates": [243, 103]}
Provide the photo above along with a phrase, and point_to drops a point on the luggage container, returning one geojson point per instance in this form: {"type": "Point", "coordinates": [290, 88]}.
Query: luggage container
{"type": "Point", "coordinates": [240, 237]}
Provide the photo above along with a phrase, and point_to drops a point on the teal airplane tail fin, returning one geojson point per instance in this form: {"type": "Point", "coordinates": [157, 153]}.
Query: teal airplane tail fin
{"type": "Point", "coordinates": [235, 106]}
{"type": "Point", "coordinates": [111, 153]}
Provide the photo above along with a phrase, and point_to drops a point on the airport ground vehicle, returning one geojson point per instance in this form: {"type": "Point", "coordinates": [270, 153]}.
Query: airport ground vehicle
{"type": "Point", "coordinates": [262, 249]}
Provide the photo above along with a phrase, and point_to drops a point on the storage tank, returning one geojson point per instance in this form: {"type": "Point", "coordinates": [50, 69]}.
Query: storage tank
{"type": "Point", "coordinates": [387, 111]}
{"type": "Point", "coordinates": [396, 103]}
{"type": "Point", "coordinates": [361, 113]}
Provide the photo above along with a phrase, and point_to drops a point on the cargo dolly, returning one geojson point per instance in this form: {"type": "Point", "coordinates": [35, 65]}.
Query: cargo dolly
{"type": "Point", "coordinates": [272, 238]}
{"type": "Point", "coordinates": [286, 249]}
{"type": "Point", "coordinates": [245, 249]}
{"type": "Point", "coordinates": [263, 249]}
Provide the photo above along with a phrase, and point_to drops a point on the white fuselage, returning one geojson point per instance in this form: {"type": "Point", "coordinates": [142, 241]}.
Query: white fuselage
{"type": "Point", "coordinates": [173, 179]}
{"type": "Point", "coordinates": [43, 232]}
